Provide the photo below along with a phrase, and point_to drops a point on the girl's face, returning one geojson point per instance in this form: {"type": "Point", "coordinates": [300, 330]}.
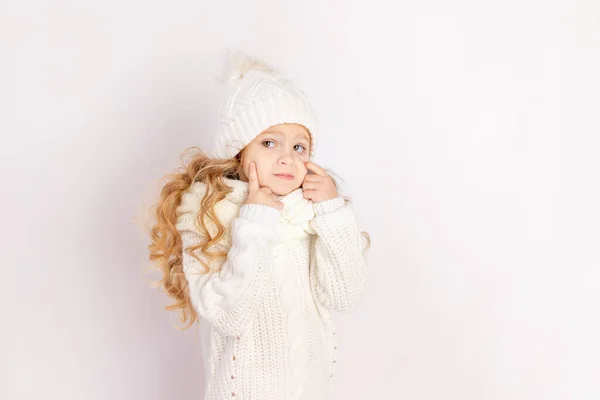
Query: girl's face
{"type": "Point", "coordinates": [279, 153]}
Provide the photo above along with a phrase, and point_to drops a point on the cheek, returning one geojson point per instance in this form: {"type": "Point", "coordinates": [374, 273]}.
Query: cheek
{"type": "Point", "coordinates": [247, 159]}
{"type": "Point", "coordinates": [302, 166]}
{"type": "Point", "coordinates": [302, 172]}
{"type": "Point", "coordinates": [245, 167]}
{"type": "Point", "coordinates": [261, 170]}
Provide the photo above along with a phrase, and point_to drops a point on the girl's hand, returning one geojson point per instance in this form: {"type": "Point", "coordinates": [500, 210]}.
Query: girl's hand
{"type": "Point", "coordinates": [319, 186]}
{"type": "Point", "coordinates": [260, 195]}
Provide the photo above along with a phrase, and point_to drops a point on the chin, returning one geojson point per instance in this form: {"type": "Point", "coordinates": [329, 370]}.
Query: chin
{"type": "Point", "coordinates": [283, 189]}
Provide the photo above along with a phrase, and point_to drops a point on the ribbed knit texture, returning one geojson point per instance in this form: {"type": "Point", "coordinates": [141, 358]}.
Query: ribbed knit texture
{"type": "Point", "coordinates": [265, 326]}
{"type": "Point", "coordinates": [255, 97]}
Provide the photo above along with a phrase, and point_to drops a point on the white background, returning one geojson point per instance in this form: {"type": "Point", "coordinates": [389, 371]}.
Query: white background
{"type": "Point", "coordinates": [467, 131]}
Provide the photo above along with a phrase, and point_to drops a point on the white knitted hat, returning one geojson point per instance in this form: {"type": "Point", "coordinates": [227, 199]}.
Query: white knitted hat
{"type": "Point", "coordinates": [254, 98]}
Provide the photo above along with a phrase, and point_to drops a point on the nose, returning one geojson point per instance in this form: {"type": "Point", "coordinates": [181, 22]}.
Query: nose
{"type": "Point", "coordinates": [286, 157]}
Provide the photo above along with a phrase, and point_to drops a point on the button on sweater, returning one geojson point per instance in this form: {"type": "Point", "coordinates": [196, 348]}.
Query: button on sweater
{"type": "Point", "coordinates": [264, 322]}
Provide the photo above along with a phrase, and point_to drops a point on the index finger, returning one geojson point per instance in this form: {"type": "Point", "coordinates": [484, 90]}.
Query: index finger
{"type": "Point", "coordinates": [252, 178]}
{"type": "Point", "coordinates": [311, 166]}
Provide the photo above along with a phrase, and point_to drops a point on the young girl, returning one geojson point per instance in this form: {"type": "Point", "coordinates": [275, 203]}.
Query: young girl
{"type": "Point", "coordinates": [256, 244]}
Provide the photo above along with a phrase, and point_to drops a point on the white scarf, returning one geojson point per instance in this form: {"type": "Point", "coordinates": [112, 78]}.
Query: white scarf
{"type": "Point", "coordinates": [294, 221]}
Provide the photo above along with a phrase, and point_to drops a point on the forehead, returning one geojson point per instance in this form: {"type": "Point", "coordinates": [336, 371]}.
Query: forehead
{"type": "Point", "coordinates": [292, 131]}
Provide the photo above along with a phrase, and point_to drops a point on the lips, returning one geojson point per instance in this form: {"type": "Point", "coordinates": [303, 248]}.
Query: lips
{"type": "Point", "coordinates": [285, 176]}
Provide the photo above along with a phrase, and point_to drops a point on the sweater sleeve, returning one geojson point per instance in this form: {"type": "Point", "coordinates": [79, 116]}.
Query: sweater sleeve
{"type": "Point", "coordinates": [340, 269]}
{"type": "Point", "coordinates": [228, 298]}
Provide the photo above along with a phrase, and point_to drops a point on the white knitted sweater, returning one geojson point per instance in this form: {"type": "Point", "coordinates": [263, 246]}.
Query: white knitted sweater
{"type": "Point", "coordinates": [265, 329]}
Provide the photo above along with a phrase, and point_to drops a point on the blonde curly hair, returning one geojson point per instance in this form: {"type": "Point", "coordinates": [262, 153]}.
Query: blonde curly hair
{"type": "Point", "coordinates": [166, 249]}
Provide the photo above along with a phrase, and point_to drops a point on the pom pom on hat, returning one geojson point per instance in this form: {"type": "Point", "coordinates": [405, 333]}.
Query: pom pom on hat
{"type": "Point", "coordinates": [254, 98]}
{"type": "Point", "coordinates": [237, 64]}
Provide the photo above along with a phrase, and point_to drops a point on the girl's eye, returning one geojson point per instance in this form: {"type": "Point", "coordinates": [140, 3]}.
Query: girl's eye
{"type": "Point", "coordinates": [268, 141]}
{"type": "Point", "coordinates": [303, 148]}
